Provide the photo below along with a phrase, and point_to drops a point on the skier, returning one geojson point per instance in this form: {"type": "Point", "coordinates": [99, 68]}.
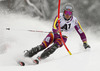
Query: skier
{"type": "Point", "coordinates": [67, 22]}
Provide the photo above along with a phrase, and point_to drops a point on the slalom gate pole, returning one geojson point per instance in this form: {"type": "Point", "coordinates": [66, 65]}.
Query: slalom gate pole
{"type": "Point", "coordinates": [60, 29]}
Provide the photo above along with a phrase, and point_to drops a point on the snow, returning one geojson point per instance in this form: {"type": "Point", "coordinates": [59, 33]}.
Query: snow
{"type": "Point", "coordinates": [14, 41]}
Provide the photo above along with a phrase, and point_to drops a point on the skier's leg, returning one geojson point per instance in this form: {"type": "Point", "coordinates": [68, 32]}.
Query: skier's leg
{"type": "Point", "coordinates": [50, 50]}
{"type": "Point", "coordinates": [46, 42]}
{"type": "Point", "coordinates": [33, 51]}
{"type": "Point", "coordinates": [58, 41]}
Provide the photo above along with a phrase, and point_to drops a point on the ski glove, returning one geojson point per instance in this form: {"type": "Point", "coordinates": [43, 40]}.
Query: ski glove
{"type": "Point", "coordinates": [86, 45]}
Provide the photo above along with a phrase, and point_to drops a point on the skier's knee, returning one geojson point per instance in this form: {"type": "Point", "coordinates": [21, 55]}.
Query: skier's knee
{"type": "Point", "coordinates": [58, 41]}
{"type": "Point", "coordinates": [48, 40]}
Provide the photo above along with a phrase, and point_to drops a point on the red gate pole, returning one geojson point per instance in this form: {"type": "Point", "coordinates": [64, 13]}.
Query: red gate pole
{"type": "Point", "coordinates": [60, 29]}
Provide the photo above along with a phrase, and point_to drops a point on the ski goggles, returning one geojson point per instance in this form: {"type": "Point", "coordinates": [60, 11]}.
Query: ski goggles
{"type": "Point", "coordinates": [67, 12]}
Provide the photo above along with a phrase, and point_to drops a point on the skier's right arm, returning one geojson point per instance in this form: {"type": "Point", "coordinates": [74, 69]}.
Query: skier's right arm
{"type": "Point", "coordinates": [55, 25]}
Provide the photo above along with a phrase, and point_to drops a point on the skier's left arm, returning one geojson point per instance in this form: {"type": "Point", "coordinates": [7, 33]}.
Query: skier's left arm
{"type": "Point", "coordinates": [80, 31]}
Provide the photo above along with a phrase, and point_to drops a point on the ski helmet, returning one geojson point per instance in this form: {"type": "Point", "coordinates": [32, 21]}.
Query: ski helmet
{"type": "Point", "coordinates": [68, 9]}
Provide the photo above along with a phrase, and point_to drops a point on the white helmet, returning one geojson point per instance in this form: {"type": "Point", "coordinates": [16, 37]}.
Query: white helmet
{"type": "Point", "coordinates": [68, 9]}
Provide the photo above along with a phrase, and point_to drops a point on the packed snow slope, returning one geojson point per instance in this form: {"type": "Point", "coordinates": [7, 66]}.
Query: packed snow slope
{"type": "Point", "coordinates": [17, 39]}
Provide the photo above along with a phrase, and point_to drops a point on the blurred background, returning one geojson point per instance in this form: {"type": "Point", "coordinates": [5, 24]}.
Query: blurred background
{"type": "Point", "coordinates": [87, 11]}
{"type": "Point", "coordinates": [18, 16]}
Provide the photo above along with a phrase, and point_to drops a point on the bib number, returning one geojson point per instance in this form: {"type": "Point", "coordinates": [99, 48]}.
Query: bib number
{"type": "Point", "coordinates": [66, 26]}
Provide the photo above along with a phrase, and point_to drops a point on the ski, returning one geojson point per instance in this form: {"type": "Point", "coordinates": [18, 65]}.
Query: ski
{"type": "Point", "coordinates": [22, 63]}
{"type": "Point", "coordinates": [36, 61]}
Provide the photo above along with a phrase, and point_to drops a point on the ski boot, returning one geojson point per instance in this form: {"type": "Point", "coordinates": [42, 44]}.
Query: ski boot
{"type": "Point", "coordinates": [48, 51]}
{"type": "Point", "coordinates": [33, 51]}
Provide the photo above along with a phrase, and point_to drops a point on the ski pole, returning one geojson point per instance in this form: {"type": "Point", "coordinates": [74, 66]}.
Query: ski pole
{"type": "Point", "coordinates": [9, 29]}
{"type": "Point", "coordinates": [39, 31]}
{"type": "Point", "coordinates": [60, 29]}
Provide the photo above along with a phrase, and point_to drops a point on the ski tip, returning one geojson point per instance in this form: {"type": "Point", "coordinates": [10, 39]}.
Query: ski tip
{"type": "Point", "coordinates": [36, 61]}
{"type": "Point", "coordinates": [22, 63]}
